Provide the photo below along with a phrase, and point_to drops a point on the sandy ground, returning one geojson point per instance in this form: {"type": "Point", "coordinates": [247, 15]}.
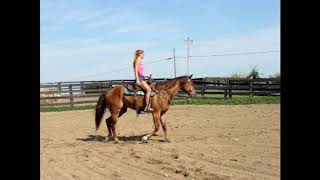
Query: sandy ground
{"type": "Point", "coordinates": [209, 142]}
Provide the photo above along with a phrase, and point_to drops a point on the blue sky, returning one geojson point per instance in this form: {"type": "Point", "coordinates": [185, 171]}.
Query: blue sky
{"type": "Point", "coordinates": [95, 40]}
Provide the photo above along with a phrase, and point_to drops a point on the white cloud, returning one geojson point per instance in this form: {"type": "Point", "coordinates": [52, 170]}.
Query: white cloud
{"type": "Point", "coordinates": [81, 57]}
{"type": "Point", "coordinates": [261, 40]}
{"type": "Point", "coordinates": [84, 57]}
{"type": "Point", "coordinates": [79, 38]}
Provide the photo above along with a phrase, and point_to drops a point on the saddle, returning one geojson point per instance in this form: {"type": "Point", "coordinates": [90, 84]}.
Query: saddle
{"type": "Point", "coordinates": [134, 89]}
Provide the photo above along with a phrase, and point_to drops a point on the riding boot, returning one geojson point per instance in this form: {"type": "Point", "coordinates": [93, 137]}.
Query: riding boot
{"type": "Point", "coordinates": [148, 108]}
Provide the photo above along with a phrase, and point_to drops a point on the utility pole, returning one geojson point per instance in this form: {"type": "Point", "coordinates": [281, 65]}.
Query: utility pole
{"type": "Point", "coordinates": [174, 62]}
{"type": "Point", "coordinates": [188, 43]}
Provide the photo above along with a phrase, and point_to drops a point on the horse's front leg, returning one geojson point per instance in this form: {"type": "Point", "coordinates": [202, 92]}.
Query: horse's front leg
{"type": "Point", "coordinates": [164, 127]}
{"type": "Point", "coordinates": [156, 122]}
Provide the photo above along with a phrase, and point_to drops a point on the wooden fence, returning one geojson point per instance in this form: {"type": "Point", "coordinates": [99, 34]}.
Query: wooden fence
{"type": "Point", "coordinates": [82, 92]}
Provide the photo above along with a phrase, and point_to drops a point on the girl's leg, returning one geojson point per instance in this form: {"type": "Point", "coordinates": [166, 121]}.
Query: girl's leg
{"type": "Point", "coordinates": [147, 88]}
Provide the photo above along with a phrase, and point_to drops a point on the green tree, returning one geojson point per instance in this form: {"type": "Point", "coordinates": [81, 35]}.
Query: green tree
{"type": "Point", "coordinates": [254, 73]}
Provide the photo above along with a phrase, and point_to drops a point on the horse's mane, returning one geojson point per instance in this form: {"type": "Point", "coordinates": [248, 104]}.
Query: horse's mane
{"type": "Point", "coordinates": [170, 83]}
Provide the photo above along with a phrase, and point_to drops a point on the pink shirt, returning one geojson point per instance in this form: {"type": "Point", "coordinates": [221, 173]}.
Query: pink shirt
{"type": "Point", "coordinates": [140, 70]}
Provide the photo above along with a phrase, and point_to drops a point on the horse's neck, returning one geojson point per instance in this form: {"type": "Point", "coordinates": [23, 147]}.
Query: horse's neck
{"type": "Point", "coordinates": [174, 90]}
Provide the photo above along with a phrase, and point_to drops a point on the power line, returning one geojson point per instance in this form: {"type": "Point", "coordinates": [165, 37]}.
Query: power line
{"type": "Point", "coordinates": [235, 54]}
{"type": "Point", "coordinates": [116, 70]}
{"type": "Point", "coordinates": [165, 59]}
{"type": "Point", "coordinates": [97, 74]}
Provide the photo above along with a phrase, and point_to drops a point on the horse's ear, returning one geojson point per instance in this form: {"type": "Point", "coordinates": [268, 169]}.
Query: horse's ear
{"type": "Point", "coordinates": [190, 76]}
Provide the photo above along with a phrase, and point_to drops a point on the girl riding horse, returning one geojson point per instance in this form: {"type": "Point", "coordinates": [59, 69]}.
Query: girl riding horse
{"type": "Point", "coordinates": [117, 103]}
{"type": "Point", "coordinates": [140, 78]}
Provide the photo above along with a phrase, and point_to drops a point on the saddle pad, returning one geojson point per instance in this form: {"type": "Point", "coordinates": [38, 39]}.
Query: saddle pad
{"type": "Point", "coordinates": [138, 93]}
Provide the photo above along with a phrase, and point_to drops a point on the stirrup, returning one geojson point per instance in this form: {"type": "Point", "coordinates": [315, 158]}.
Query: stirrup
{"type": "Point", "coordinates": [148, 109]}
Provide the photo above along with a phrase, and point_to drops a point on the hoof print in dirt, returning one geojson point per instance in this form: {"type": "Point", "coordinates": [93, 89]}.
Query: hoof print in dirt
{"type": "Point", "coordinates": [183, 172]}
{"type": "Point", "coordinates": [175, 156]}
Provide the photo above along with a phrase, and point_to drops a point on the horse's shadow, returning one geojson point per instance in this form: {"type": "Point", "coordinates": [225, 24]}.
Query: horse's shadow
{"type": "Point", "coordinates": [100, 138]}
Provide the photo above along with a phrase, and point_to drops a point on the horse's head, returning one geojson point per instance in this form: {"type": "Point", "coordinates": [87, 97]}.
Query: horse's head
{"type": "Point", "coordinates": [188, 87]}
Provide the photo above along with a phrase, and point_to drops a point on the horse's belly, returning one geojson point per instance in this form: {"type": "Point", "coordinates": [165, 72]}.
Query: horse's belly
{"type": "Point", "coordinates": [128, 101]}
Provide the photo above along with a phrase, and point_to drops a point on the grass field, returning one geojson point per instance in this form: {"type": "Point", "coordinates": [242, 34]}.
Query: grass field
{"type": "Point", "coordinates": [196, 101]}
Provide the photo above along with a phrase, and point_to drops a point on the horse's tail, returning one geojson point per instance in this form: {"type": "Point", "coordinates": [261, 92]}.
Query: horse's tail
{"type": "Point", "coordinates": [100, 109]}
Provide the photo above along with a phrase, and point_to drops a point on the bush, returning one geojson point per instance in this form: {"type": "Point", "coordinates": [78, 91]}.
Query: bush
{"type": "Point", "coordinates": [276, 76]}
{"type": "Point", "coordinates": [237, 75]}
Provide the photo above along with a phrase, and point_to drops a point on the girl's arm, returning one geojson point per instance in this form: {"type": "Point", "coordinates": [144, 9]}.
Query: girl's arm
{"type": "Point", "coordinates": [136, 64]}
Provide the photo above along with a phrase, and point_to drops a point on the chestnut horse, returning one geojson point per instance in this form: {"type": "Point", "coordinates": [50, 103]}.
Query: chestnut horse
{"type": "Point", "coordinates": [118, 103]}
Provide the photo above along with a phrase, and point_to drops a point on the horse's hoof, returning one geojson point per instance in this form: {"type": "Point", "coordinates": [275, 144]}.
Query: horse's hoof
{"type": "Point", "coordinates": [144, 139]}
{"type": "Point", "coordinates": [168, 140]}
{"type": "Point", "coordinates": [117, 142]}
{"type": "Point", "coordinates": [108, 138]}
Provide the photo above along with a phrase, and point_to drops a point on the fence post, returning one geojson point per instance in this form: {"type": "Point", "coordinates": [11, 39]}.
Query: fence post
{"type": "Point", "coordinates": [251, 89]}
{"type": "Point", "coordinates": [268, 86]}
{"type": "Point", "coordinates": [59, 87]}
{"type": "Point", "coordinates": [81, 87]}
{"type": "Point", "coordinates": [225, 88]}
{"type": "Point", "coordinates": [71, 94]}
{"type": "Point", "coordinates": [203, 88]}
{"type": "Point", "coordinates": [230, 90]}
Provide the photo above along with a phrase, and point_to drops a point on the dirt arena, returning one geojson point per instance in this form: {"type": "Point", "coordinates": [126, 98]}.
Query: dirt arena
{"type": "Point", "coordinates": [209, 142]}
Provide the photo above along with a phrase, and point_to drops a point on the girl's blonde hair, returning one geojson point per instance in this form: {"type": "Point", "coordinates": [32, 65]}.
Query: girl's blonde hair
{"type": "Point", "coordinates": [137, 53]}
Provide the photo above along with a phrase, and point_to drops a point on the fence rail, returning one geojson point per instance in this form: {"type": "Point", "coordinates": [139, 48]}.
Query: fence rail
{"type": "Point", "coordinates": [89, 91]}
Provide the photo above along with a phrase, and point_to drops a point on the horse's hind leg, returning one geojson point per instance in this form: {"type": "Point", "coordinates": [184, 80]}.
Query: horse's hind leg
{"type": "Point", "coordinates": [109, 123]}
{"type": "Point", "coordinates": [122, 111]}
{"type": "Point", "coordinates": [114, 119]}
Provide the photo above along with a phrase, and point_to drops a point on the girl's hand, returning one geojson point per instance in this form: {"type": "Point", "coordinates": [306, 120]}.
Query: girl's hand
{"type": "Point", "coordinates": [138, 82]}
